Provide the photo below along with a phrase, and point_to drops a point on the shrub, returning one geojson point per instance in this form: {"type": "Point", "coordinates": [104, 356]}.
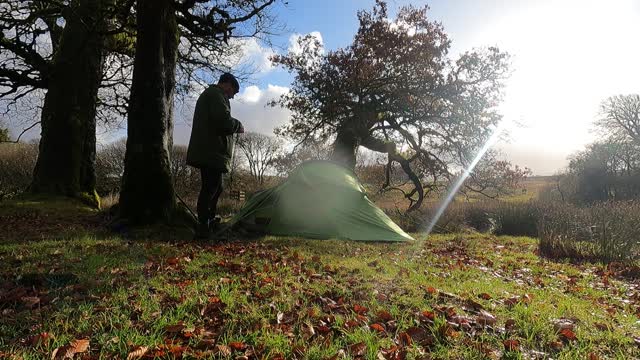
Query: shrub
{"type": "Point", "coordinates": [605, 232]}
{"type": "Point", "coordinates": [517, 219]}
{"type": "Point", "coordinates": [16, 167]}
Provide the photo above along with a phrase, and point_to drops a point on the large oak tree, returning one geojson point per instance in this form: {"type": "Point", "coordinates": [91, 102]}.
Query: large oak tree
{"type": "Point", "coordinates": [147, 194]}
{"type": "Point", "coordinates": [395, 90]}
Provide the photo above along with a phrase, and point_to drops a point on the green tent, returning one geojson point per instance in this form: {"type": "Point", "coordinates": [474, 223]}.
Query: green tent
{"type": "Point", "coordinates": [320, 199]}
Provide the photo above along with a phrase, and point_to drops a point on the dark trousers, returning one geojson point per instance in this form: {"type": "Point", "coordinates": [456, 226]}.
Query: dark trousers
{"type": "Point", "coordinates": [210, 191]}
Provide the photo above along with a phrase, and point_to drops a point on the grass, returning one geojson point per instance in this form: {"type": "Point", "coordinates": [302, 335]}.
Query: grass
{"type": "Point", "coordinates": [447, 296]}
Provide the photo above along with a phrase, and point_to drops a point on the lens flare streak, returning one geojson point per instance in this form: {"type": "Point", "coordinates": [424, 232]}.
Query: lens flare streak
{"type": "Point", "coordinates": [456, 186]}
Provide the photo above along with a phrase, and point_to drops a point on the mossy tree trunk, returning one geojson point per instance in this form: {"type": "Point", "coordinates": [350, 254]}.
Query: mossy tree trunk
{"type": "Point", "coordinates": [66, 156]}
{"type": "Point", "coordinates": [147, 194]}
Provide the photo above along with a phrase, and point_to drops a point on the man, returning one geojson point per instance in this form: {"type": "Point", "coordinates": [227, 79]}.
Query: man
{"type": "Point", "coordinates": [211, 146]}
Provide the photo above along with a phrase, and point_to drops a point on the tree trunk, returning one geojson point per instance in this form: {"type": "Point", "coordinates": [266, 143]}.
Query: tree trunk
{"type": "Point", "coordinates": [66, 156]}
{"type": "Point", "coordinates": [345, 147]}
{"type": "Point", "coordinates": [147, 194]}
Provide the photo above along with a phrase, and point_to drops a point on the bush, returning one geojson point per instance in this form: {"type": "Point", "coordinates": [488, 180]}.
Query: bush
{"type": "Point", "coordinates": [501, 218]}
{"type": "Point", "coordinates": [605, 232]}
{"type": "Point", "coordinates": [16, 167]}
{"type": "Point", "coordinates": [517, 219]}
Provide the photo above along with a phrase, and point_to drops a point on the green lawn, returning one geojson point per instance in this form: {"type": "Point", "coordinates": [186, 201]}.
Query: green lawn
{"type": "Point", "coordinates": [455, 296]}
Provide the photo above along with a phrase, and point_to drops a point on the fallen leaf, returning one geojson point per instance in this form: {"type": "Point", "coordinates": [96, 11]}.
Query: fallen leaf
{"type": "Point", "coordinates": [323, 329]}
{"type": "Point", "coordinates": [360, 310]}
{"type": "Point", "coordinates": [404, 339]}
{"type": "Point", "coordinates": [557, 345]}
{"type": "Point", "coordinates": [358, 349]}
{"type": "Point", "coordinates": [173, 261]}
{"type": "Point", "coordinates": [30, 301]}
{"type": "Point", "coordinates": [237, 345]}
{"type": "Point", "coordinates": [485, 318]}
{"type": "Point", "coordinates": [562, 324]}
{"type": "Point", "coordinates": [384, 316]}
{"type": "Point", "coordinates": [69, 351]}
{"type": "Point", "coordinates": [40, 339]}
{"type": "Point", "coordinates": [137, 352]}
{"type": "Point", "coordinates": [601, 326]}
{"type": "Point", "coordinates": [223, 350]}
{"type": "Point", "coordinates": [485, 296]}
{"type": "Point", "coordinates": [511, 345]}
{"type": "Point", "coordinates": [174, 329]}
{"type": "Point", "coordinates": [429, 315]}
{"type": "Point", "coordinates": [377, 327]}
{"type": "Point", "coordinates": [567, 334]}
{"type": "Point", "coordinates": [308, 331]}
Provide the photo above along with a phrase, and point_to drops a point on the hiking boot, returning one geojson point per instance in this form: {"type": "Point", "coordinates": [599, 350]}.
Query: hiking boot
{"type": "Point", "coordinates": [214, 224]}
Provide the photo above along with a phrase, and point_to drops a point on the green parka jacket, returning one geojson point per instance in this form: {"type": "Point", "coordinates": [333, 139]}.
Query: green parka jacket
{"type": "Point", "coordinates": [211, 143]}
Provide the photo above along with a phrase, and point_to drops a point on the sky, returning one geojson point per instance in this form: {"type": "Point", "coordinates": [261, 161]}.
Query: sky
{"type": "Point", "coordinates": [567, 56]}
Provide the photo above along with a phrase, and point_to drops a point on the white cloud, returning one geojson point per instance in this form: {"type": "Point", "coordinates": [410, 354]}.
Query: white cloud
{"type": "Point", "coordinates": [294, 46]}
{"type": "Point", "coordinates": [255, 55]}
{"type": "Point", "coordinates": [250, 94]}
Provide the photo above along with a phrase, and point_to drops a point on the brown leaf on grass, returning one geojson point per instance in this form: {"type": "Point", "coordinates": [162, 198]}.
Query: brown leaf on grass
{"type": "Point", "coordinates": [601, 326]}
{"type": "Point", "coordinates": [431, 290]}
{"type": "Point", "coordinates": [351, 324]}
{"type": "Point", "coordinates": [567, 334]}
{"type": "Point", "coordinates": [510, 325]}
{"type": "Point", "coordinates": [485, 318]}
{"type": "Point", "coordinates": [420, 336]}
{"type": "Point", "coordinates": [556, 345]}
{"type": "Point", "coordinates": [174, 329]}
{"type": "Point", "coordinates": [299, 351]}
{"type": "Point", "coordinates": [474, 305]}
{"type": "Point", "coordinates": [206, 344]}
{"type": "Point", "coordinates": [404, 339]}
{"type": "Point", "coordinates": [223, 350]}
{"type": "Point", "coordinates": [41, 339]}
{"type": "Point", "coordinates": [562, 324]}
{"type": "Point", "coordinates": [485, 296]}
{"type": "Point", "coordinates": [377, 327]}
{"type": "Point", "coordinates": [511, 345]}
{"type": "Point", "coordinates": [30, 301]}
{"type": "Point", "coordinates": [360, 310]}
{"type": "Point", "coordinates": [593, 356]}
{"type": "Point", "coordinates": [69, 351]}
{"type": "Point", "coordinates": [137, 352]}
{"type": "Point", "coordinates": [358, 349]}
{"type": "Point", "coordinates": [384, 316]}
{"type": "Point", "coordinates": [308, 331]}
{"type": "Point", "coordinates": [323, 329]}
{"type": "Point", "coordinates": [392, 353]}
{"type": "Point", "coordinates": [524, 299]}
{"type": "Point", "coordinates": [173, 261]}
{"type": "Point", "coordinates": [237, 345]}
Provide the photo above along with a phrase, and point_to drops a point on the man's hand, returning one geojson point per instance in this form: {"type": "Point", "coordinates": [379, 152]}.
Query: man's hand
{"type": "Point", "coordinates": [240, 129]}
